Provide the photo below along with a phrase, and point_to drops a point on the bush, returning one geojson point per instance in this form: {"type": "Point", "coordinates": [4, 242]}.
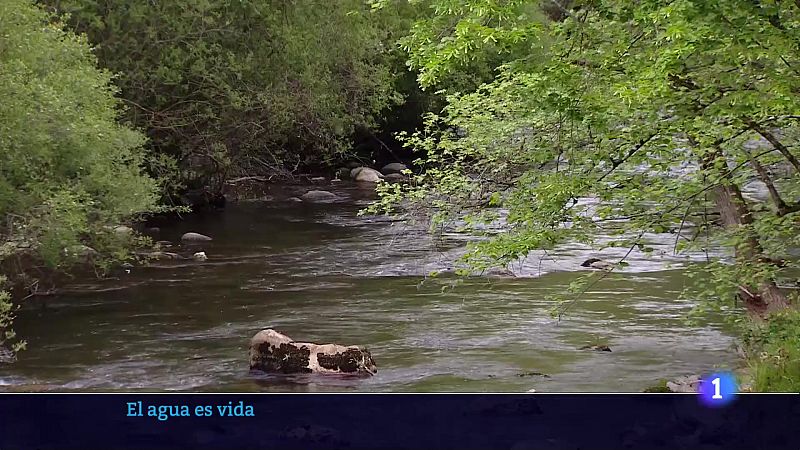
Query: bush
{"type": "Point", "coordinates": [68, 169]}
{"type": "Point", "coordinates": [245, 85]}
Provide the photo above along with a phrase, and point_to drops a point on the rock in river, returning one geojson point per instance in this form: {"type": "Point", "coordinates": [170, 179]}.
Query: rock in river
{"type": "Point", "coordinates": [318, 196]}
{"type": "Point", "coordinates": [393, 168]}
{"type": "Point", "coordinates": [685, 384]}
{"type": "Point", "coordinates": [274, 352]}
{"type": "Point", "coordinates": [158, 255]}
{"type": "Point", "coordinates": [194, 237]}
{"type": "Point", "coordinates": [597, 348]}
{"type": "Point", "coordinates": [595, 263]}
{"type": "Point", "coordinates": [365, 174]}
{"type": "Point", "coordinates": [200, 256]}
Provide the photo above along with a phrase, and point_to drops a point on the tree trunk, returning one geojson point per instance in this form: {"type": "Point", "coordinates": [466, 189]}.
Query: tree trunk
{"type": "Point", "coordinates": [735, 213]}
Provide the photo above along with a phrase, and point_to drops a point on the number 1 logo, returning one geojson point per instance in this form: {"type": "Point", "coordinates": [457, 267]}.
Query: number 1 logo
{"type": "Point", "coordinates": [717, 395]}
{"type": "Point", "coordinates": [718, 389]}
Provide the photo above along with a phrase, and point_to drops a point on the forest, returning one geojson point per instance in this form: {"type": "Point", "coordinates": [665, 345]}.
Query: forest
{"type": "Point", "coordinates": [540, 173]}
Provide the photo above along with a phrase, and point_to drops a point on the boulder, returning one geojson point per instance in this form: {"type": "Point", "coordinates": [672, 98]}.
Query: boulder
{"type": "Point", "coordinates": [200, 256]}
{"type": "Point", "coordinates": [294, 200]}
{"type": "Point", "coordinates": [366, 175]}
{"type": "Point", "coordinates": [194, 237]}
{"type": "Point", "coordinates": [393, 168]}
{"type": "Point", "coordinates": [318, 196]}
{"type": "Point", "coordinates": [273, 352]}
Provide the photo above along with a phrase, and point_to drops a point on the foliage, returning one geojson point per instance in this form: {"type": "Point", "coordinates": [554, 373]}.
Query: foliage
{"type": "Point", "coordinates": [244, 85]}
{"type": "Point", "coordinates": [68, 170]}
{"type": "Point", "coordinates": [7, 334]}
{"type": "Point", "coordinates": [625, 119]}
{"type": "Point", "coordinates": [774, 353]}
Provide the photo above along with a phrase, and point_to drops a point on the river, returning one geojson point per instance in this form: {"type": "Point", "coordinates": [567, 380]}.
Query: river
{"type": "Point", "coordinates": [320, 272]}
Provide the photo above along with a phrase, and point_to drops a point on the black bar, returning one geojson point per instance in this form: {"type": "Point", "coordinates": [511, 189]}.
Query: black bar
{"type": "Point", "coordinates": [373, 421]}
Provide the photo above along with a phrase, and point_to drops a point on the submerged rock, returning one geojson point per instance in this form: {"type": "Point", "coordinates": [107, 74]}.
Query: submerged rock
{"type": "Point", "coordinates": [318, 196]}
{"type": "Point", "coordinates": [498, 272]}
{"type": "Point", "coordinates": [274, 352]}
{"type": "Point", "coordinates": [200, 256]}
{"type": "Point", "coordinates": [393, 168]}
{"type": "Point", "coordinates": [160, 255]}
{"type": "Point", "coordinates": [533, 374]}
{"type": "Point", "coordinates": [595, 263]}
{"type": "Point", "coordinates": [597, 348]}
{"type": "Point", "coordinates": [366, 175]}
{"type": "Point", "coordinates": [294, 200]}
{"type": "Point", "coordinates": [194, 237]}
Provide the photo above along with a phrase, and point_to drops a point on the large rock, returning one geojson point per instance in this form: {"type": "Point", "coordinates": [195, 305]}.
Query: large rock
{"type": "Point", "coordinates": [318, 196]}
{"type": "Point", "coordinates": [274, 352]}
{"type": "Point", "coordinates": [194, 237]}
{"type": "Point", "coordinates": [393, 168]}
{"type": "Point", "coordinates": [365, 174]}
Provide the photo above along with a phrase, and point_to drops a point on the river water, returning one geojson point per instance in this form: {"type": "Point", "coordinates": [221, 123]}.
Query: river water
{"type": "Point", "coordinates": [319, 272]}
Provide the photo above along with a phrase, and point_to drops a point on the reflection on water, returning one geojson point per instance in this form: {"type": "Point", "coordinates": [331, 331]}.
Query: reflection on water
{"type": "Point", "coordinates": [321, 273]}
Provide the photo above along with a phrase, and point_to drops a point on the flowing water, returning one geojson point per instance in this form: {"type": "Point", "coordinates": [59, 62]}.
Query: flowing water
{"type": "Point", "coordinates": [319, 272]}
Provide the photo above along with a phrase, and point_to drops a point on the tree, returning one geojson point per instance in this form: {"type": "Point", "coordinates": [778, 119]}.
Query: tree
{"type": "Point", "coordinates": [69, 171]}
{"type": "Point", "coordinates": [243, 85]}
{"type": "Point", "coordinates": [607, 103]}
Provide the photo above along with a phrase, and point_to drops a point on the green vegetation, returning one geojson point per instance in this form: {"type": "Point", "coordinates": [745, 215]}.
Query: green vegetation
{"type": "Point", "coordinates": [646, 107]}
{"type": "Point", "coordinates": [68, 170]}
{"type": "Point", "coordinates": [774, 347]}
{"type": "Point", "coordinates": [245, 86]}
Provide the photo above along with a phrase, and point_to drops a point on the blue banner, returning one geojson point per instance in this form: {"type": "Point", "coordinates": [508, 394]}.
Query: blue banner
{"type": "Point", "coordinates": [395, 421]}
